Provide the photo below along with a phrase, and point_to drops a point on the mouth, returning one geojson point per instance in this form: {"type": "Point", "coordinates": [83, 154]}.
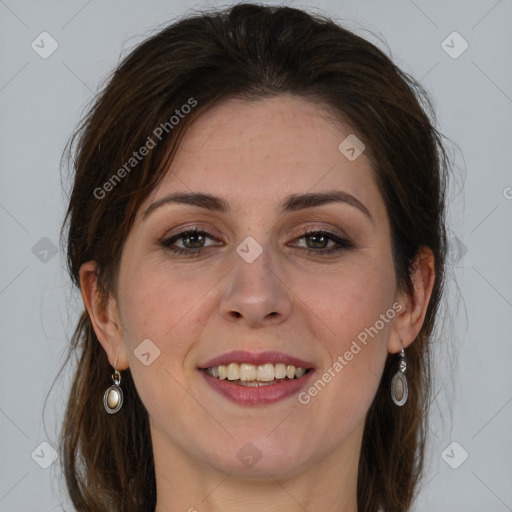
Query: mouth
{"type": "Point", "coordinates": [256, 379]}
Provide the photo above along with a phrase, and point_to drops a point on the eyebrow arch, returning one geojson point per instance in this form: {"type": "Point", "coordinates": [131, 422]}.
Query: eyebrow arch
{"type": "Point", "coordinates": [291, 203]}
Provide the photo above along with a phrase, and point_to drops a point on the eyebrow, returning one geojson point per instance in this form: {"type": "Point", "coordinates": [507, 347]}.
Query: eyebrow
{"type": "Point", "coordinates": [291, 203]}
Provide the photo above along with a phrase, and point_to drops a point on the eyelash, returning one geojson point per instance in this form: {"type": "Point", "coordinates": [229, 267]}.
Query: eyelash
{"type": "Point", "coordinates": [343, 244]}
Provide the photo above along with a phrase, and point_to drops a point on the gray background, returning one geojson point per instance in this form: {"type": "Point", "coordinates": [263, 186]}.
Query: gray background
{"type": "Point", "coordinates": [41, 101]}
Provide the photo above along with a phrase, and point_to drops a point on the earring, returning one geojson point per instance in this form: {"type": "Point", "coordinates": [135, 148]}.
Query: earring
{"type": "Point", "coordinates": [113, 397]}
{"type": "Point", "coordinates": [399, 389]}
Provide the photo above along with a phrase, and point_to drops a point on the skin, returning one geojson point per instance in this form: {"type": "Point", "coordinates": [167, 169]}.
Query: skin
{"type": "Point", "coordinates": [193, 308]}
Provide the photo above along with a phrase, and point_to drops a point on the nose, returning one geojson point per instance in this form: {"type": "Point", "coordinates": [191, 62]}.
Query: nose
{"type": "Point", "coordinates": [255, 292]}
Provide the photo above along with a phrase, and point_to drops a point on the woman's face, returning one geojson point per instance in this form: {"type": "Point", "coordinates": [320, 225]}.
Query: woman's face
{"type": "Point", "coordinates": [251, 279]}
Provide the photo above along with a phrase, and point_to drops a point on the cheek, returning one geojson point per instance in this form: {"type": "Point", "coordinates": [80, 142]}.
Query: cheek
{"type": "Point", "coordinates": [351, 312]}
{"type": "Point", "coordinates": [166, 306]}
{"type": "Point", "coordinates": [157, 306]}
{"type": "Point", "coordinates": [349, 301]}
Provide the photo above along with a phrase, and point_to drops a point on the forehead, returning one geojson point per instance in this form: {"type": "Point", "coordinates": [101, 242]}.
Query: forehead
{"type": "Point", "coordinates": [261, 150]}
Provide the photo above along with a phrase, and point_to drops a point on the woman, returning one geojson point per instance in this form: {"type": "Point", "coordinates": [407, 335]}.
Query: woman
{"type": "Point", "coordinates": [257, 229]}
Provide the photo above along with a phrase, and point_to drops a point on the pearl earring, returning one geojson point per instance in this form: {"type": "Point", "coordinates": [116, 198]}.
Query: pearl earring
{"type": "Point", "coordinates": [399, 388]}
{"type": "Point", "coordinates": [113, 397]}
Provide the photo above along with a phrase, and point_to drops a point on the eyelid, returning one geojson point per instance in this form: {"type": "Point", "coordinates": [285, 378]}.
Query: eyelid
{"type": "Point", "coordinates": [305, 230]}
{"type": "Point", "coordinates": [187, 229]}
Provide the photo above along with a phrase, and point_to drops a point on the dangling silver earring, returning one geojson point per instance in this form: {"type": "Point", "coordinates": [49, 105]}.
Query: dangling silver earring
{"type": "Point", "coordinates": [113, 397]}
{"type": "Point", "coordinates": [399, 389]}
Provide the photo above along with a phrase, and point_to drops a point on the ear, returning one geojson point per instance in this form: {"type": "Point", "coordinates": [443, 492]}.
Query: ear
{"type": "Point", "coordinates": [104, 316]}
{"type": "Point", "coordinates": [409, 320]}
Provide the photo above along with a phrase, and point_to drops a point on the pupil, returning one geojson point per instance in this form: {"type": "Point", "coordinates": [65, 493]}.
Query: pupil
{"type": "Point", "coordinates": [315, 239]}
{"type": "Point", "coordinates": [190, 237]}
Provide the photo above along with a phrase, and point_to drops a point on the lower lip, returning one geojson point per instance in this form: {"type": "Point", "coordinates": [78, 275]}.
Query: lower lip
{"type": "Point", "coordinates": [260, 395]}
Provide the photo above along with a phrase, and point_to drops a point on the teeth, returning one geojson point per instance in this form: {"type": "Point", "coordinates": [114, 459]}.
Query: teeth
{"type": "Point", "coordinates": [252, 375]}
{"type": "Point", "coordinates": [280, 371]}
{"type": "Point", "coordinates": [233, 371]}
{"type": "Point", "coordinates": [248, 372]}
{"type": "Point", "coordinates": [266, 372]}
{"type": "Point", "coordinates": [299, 372]}
{"type": "Point", "coordinates": [223, 372]}
{"type": "Point", "coordinates": [254, 383]}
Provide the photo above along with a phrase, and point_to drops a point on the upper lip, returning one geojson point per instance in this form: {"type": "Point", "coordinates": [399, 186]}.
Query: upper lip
{"type": "Point", "coordinates": [269, 356]}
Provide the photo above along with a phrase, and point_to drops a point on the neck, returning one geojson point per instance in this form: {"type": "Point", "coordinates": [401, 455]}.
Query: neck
{"type": "Point", "coordinates": [183, 484]}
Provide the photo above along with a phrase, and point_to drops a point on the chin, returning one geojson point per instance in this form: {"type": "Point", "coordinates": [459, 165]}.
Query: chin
{"type": "Point", "coordinates": [257, 457]}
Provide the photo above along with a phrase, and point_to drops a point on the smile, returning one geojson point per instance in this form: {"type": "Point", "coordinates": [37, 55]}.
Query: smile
{"type": "Point", "coordinates": [252, 375]}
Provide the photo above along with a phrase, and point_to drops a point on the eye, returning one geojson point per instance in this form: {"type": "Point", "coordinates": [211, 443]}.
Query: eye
{"type": "Point", "coordinates": [192, 240]}
{"type": "Point", "coordinates": [320, 241]}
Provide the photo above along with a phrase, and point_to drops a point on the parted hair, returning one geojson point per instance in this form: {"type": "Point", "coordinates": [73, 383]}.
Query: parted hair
{"type": "Point", "coordinates": [247, 51]}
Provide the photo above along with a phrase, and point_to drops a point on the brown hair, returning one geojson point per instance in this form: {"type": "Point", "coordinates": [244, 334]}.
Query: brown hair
{"type": "Point", "coordinates": [248, 51]}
